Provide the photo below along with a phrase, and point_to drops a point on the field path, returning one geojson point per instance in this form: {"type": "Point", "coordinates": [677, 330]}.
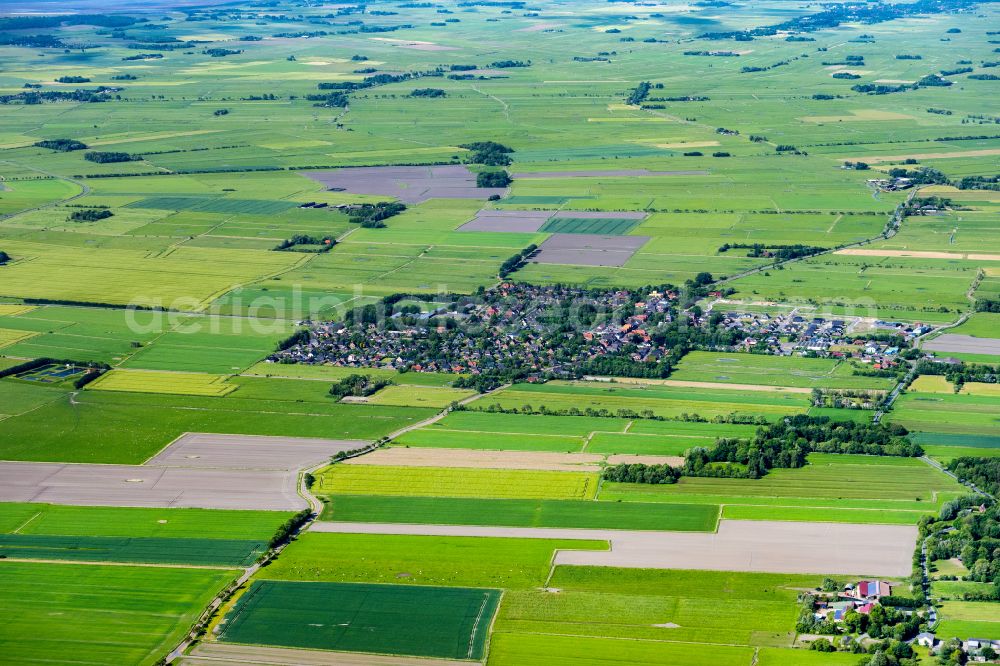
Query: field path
{"type": "Point", "coordinates": [739, 545]}
{"type": "Point", "coordinates": [84, 191]}
{"type": "Point", "coordinates": [440, 415]}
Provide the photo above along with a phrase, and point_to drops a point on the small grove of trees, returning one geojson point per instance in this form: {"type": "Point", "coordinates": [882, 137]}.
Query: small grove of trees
{"type": "Point", "coordinates": [305, 243]}
{"type": "Point", "coordinates": [786, 444]}
{"type": "Point", "coordinates": [101, 157]}
{"type": "Point", "coordinates": [489, 153]}
{"type": "Point", "coordinates": [299, 337]}
{"type": "Point", "coordinates": [72, 79]}
{"type": "Point", "coordinates": [4, 257]}
{"type": "Point", "coordinates": [358, 386]}
{"type": "Point", "coordinates": [641, 473]}
{"type": "Point", "coordinates": [984, 304]}
{"type": "Point", "coordinates": [61, 145]}
{"type": "Point", "coordinates": [493, 179]}
{"type": "Point", "coordinates": [778, 252]}
{"type": "Point", "coordinates": [371, 216]}
{"type": "Point", "coordinates": [90, 215]}
{"type": "Point", "coordinates": [221, 53]}
{"type": "Point", "coordinates": [428, 92]}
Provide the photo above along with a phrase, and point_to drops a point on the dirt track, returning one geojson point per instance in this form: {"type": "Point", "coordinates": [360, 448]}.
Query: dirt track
{"type": "Point", "coordinates": [764, 546]}
{"type": "Point", "coordinates": [217, 654]}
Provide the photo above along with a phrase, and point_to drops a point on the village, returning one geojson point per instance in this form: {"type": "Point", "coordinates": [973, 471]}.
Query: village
{"type": "Point", "coordinates": [552, 331]}
{"type": "Point", "coordinates": [514, 328]}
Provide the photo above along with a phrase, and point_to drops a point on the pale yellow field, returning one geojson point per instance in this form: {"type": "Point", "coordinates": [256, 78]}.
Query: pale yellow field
{"type": "Point", "coordinates": [13, 309]}
{"type": "Point", "coordinates": [419, 396]}
{"type": "Point", "coordinates": [931, 384]}
{"type": "Point", "coordinates": [917, 254]}
{"type": "Point", "coordinates": [171, 383]}
{"type": "Point", "coordinates": [9, 336]}
{"type": "Point", "coordinates": [979, 388]}
{"type": "Point", "coordinates": [398, 456]}
{"type": "Point", "coordinates": [859, 115]}
{"type": "Point", "coordinates": [875, 159]}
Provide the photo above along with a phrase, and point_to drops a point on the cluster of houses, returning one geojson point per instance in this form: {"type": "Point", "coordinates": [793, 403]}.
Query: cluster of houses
{"type": "Point", "coordinates": [785, 334]}
{"type": "Point", "coordinates": [890, 184]}
{"type": "Point", "coordinates": [864, 595]}
{"type": "Point", "coordinates": [515, 327]}
{"type": "Point", "coordinates": [861, 597]}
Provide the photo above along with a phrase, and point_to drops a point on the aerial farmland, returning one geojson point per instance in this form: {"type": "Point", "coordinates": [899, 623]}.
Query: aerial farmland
{"type": "Point", "coordinates": [500, 333]}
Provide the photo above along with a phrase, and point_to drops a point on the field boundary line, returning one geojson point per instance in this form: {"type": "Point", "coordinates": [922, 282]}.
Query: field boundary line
{"type": "Point", "coordinates": [475, 625]}
{"type": "Point", "coordinates": [150, 565]}
{"type": "Point", "coordinates": [25, 523]}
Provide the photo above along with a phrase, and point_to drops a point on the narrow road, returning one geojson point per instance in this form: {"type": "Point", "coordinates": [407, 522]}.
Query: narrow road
{"type": "Point", "coordinates": [84, 191]}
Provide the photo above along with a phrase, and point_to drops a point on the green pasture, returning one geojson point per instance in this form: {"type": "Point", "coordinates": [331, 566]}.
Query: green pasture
{"type": "Point", "coordinates": [521, 513]}
{"type": "Point", "coordinates": [333, 373]}
{"type": "Point", "coordinates": [664, 401]}
{"type": "Point", "coordinates": [100, 614]}
{"type": "Point", "coordinates": [758, 369]}
{"type": "Point", "coordinates": [421, 560]}
{"type": "Point", "coordinates": [136, 522]}
{"type": "Point", "coordinates": [831, 488]}
{"type": "Point", "coordinates": [943, 414]}
{"type": "Point", "coordinates": [119, 427]}
{"type": "Point", "coordinates": [969, 619]}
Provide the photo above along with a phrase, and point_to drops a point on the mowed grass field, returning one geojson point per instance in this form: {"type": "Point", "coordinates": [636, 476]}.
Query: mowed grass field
{"type": "Point", "coordinates": [522, 513]}
{"type": "Point", "coordinates": [969, 619]}
{"type": "Point", "coordinates": [419, 396]}
{"type": "Point", "coordinates": [60, 613]}
{"type": "Point", "coordinates": [137, 522]}
{"type": "Point", "coordinates": [940, 413]}
{"type": "Point", "coordinates": [831, 488]}
{"type": "Point", "coordinates": [664, 401]}
{"type": "Point", "coordinates": [46, 425]}
{"type": "Point", "coordinates": [421, 560]}
{"type": "Point", "coordinates": [760, 369]}
{"type": "Point", "coordinates": [518, 432]}
{"type": "Point", "coordinates": [443, 622]}
{"type": "Point", "coordinates": [173, 383]}
{"type": "Point", "coordinates": [195, 537]}
{"type": "Point", "coordinates": [454, 482]}
{"type": "Point", "coordinates": [598, 614]}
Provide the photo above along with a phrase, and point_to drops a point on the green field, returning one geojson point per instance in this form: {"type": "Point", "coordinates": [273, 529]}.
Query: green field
{"type": "Point", "coordinates": [516, 432]}
{"type": "Point", "coordinates": [932, 415]}
{"type": "Point", "coordinates": [421, 560]}
{"type": "Point", "coordinates": [663, 401]}
{"type": "Point", "coordinates": [139, 522]}
{"type": "Point", "coordinates": [138, 550]}
{"type": "Point", "coordinates": [454, 482]}
{"type": "Point", "coordinates": [100, 614]}
{"type": "Point", "coordinates": [831, 488]}
{"type": "Point", "coordinates": [48, 424]}
{"type": "Point", "coordinates": [793, 371]}
{"type": "Point", "coordinates": [445, 622]}
{"type": "Point", "coordinates": [601, 611]}
{"type": "Point", "coordinates": [583, 225]}
{"type": "Point", "coordinates": [422, 396]}
{"type": "Point", "coordinates": [522, 513]}
{"type": "Point", "coordinates": [969, 619]}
